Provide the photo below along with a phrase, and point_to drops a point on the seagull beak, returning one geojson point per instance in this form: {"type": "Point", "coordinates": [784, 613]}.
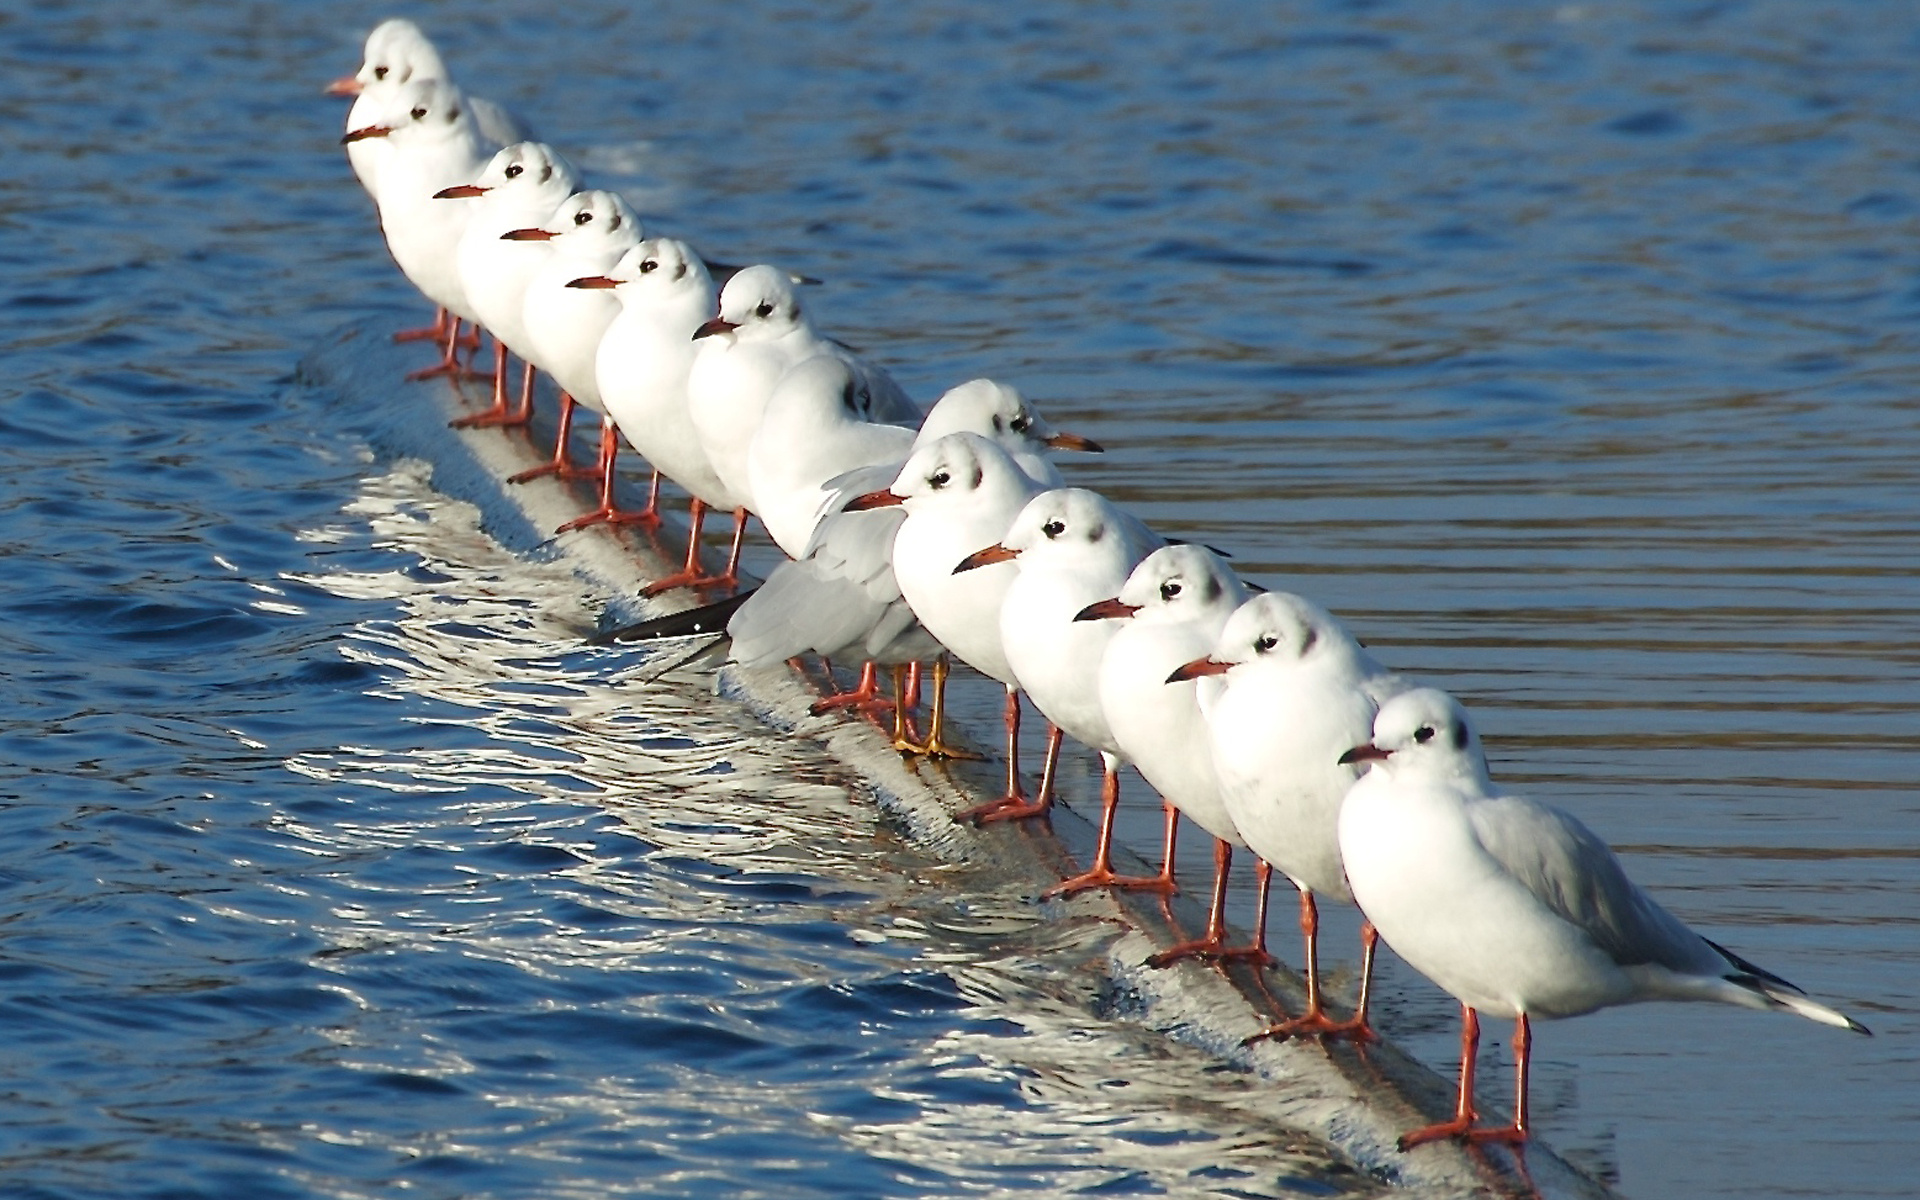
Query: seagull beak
{"type": "Point", "coordinates": [1197, 668]}
{"type": "Point", "coordinates": [593, 281]}
{"type": "Point", "coordinates": [461, 191]}
{"type": "Point", "coordinates": [717, 325]}
{"type": "Point", "coordinates": [1073, 441]}
{"type": "Point", "coordinates": [1364, 752]}
{"type": "Point", "coordinates": [995, 553]}
{"type": "Point", "coordinates": [884, 498]}
{"type": "Point", "coordinates": [346, 85]}
{"type": "Point", "coordinates": [1100, 610]}
{"type": "Point", "coordinates": [362, 134]}
{"type": "Point", "coordinates": [526, 235]}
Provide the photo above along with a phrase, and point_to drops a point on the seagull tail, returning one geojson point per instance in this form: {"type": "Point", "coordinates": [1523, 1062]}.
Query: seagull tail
{"type": "Point", "coordinates": [704, 621]}
{"type": "Point", "coordinates": [1778, 993]}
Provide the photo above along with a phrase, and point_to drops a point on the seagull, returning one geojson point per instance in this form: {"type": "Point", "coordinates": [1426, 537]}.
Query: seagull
{"type": "Point", "coordinates": [665, 292]}
{"type": "Point", "coordinates": [1072, 547]}
{"type": "Point", "coordinates": [961, 492]}
{"type": "Point", "coordinates": [1290, 690]}
{"type": "Point", "coordinates": [1174, 606]}
{"type": "Point", "coordinates": [587, 234]}
{"type": "Point", "coordinates": [435, 145]}
{"type": "Point", "coordinates": [760, 333]}
{"type": "Point", "coordinates": [1512, 906]}
{"type": "Point", "coordinates": [522, 185]}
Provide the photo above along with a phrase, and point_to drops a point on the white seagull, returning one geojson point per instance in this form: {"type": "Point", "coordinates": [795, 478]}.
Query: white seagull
{"type": "Point", "coordinates": [1512, 906]}
{"type": "Point", "coordinates": [1172, 609]}
{"type": "Point", "coordinates": [522, 185]}
{"type": "Point", "coordinates": [1291, 691]}
{"type": "Point", "coordinates": [1073, 547]}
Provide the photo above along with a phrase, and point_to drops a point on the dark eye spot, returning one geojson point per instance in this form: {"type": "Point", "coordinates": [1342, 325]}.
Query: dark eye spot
{"type": "Point", "coordinates": [453, 114]}
{"type": "Point", "coordinates": [1170, 589]}
{"type": "Point", "coordinates": [419, 113]}
{"type": "Point", "coordinates": [1266, 643]}
{"type": "Point", "coordinates": [764, 311]}
{"type": "Point", "coordinates": [582, 217]}
{"type": "Point", "coordinates": [1053, 529]}
{"type": "Point", "coordinates": [516, 171]}
{"type": "Point", "coordinates": [999, 422]}
{"type": "Point", "coordinates": [380, 72]}
{"type": "Point", "coordinates": [546, 172]}
{"type": "Point", "coordinates": [680, 271]}
{"type": "Point", "coordinates": [1020, 424]}
{"type": "Point", "coordinates": [1460, 737]}
{"type": "Point", "coordinates": [939, 479]}
{"type": "Point", "coordinates": [616, 221]}
{"type": "Point", "coordinates": [1423, 735]}
{"type": "Point", "coordinates": [651, 264]}
{"type": "Point", "coordinates": [1306, 643]}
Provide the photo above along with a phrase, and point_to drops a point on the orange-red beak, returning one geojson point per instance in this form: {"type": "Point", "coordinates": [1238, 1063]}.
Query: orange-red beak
{"type": "Point", "coordinates": [1197, 668]}
{"type": "Point", "coordinates": [526, 235]}
{"type": "Point", "coordinates": [883, 498]}
{"type": "Point", "coordinates": [593, 281]}
{"type": "Point", "coordinates": [1073, 441]}
{"type": "Point", "coordinates": [1101, 610]}
{"type": "Point", "coordinates": [346, 85]}
{"type": "Point", "coordinates": [1365, 752]}
{"type": "Point", "coordinates": [461, 191]}
{"type": "Point", "coordinates": [995, 553]}
{"type": "Point", "coordinates": [717, 325]}
{"type": "Point", "coordinates": [363, 133]}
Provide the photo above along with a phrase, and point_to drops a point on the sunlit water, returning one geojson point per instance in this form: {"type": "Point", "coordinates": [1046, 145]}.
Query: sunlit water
{"type": "Point", "coordinates": [1568, 353]}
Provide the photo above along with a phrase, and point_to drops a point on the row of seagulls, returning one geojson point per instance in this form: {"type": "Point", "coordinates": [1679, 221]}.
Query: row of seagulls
{"type": "Point", "coordinates": [916, 537]}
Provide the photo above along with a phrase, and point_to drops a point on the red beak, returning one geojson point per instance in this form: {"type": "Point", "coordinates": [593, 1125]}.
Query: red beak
{"type": "Point", "coordinates": [526, 235]}
{"type": "Point", "coordinates": [361, 135]}
{"type": "Point", "coordinates": [717, 325]}
{"type": "Point", "coordinates": [593, 281]}
{"type": "Point", "coordinates": [1101, 610]}
{"type": "Point", "coordinates": [346, 85]}
{"type": "Point", "coordinates": [461, 191]}
{"type": "Point", "coordinates": [1365, 752]}
{"type": "Point", "coordinates": [995, 553]}
{"type": "Point", "coordinates": [1197, 668]}
{"type": "Point", "coordinates": [880, 499]}
{"type": "Point", "coordinates": [1073, 441]}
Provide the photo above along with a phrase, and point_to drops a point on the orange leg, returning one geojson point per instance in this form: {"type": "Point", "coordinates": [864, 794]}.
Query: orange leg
{"type": "Point", "coordinates": [499, 414]}
{"type": "Point", "coordinates": [610, 513]}
{"type": "Point", "coordinates": [1463, 1114]}
{"type": "Point", "coordinates": [432, 333]}
{"type": "Point", "coordinates": [1213, 946]}
{"type": "Point", "coordinates": [865, 696]}
{"type": "Point", "coordinates": [1101, 873]}
{"type": "Point", "coordinates": [1017, 807]}
{"type": "Point", "coordinates": [561, 463]}
{"type": "Point", "coordinates": [691, 575]}
{"type": "Point", "coordinates": [1315, 1021]}
{"type": "Point", "coordinates": [936, 744]}
{"type": "Point", "coordinates": [903, 704]}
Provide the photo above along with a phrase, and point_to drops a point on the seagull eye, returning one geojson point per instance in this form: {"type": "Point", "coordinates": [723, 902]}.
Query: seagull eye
{"type": "Point", "coordinates": [582, 217]}
{"type": "Point", "coordinates": [1423, 735]}
{"type": "Point", "coordinates": [1170, 589]}
{"type": "Point", "coordinates": [651, 264]}
{"type": "Point", "coordinates": [516, 171]}
{"type": "Point", "coordinates": [1265, 644]}
{"type": "Point", "coordinates": [419, 113]}
{"type": "Point", "coordinates": [1053, 529]}
{"type": "Point", "coordinates": [1020, 424]}
{"type": "Point", "coordinates": [939, 479]}
{"type": "Point", "coordinates": [764, 311]}
{"type": "Point", "coordinates": [380, 72]}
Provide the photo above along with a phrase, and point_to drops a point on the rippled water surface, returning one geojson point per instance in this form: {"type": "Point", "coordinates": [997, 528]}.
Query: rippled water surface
{"type": "Point", "coordinates": [1569, 353]}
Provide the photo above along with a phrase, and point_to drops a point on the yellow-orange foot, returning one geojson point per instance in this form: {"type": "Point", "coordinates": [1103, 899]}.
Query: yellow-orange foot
{"type": "Point", "coordinates": [687, 579]}
{"type": "Point", "coordinates": [645, 518]}
{"type": "Point", "coordinates": [1316, 1025]}
{"type": "Point", "coordinates": [1213, 950]}
{"type": "Point", "coordinates": [1006, 808]}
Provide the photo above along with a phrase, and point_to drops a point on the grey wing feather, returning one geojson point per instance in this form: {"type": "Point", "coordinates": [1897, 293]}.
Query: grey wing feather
{"type": "Point", "coordinates": [1574, 873]}
{"type": "Point", "coordinates": [834, 600]}
{"type": "Point", "coordinates": [844, 487]}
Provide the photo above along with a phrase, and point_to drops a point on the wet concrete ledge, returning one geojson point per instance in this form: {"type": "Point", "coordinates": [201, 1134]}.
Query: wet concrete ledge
{"type": "Point", "coordinates": [1354, 1101]}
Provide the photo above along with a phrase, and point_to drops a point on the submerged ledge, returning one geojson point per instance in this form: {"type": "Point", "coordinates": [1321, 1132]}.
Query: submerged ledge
{"type": "Point", "coordinates": [1353, 1102]}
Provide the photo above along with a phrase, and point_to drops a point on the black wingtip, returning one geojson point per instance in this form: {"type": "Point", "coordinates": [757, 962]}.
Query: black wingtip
{"type": "Point", "coordinates": [706, 620]}
{"type": "Point", "coordinates": [1746, 968]}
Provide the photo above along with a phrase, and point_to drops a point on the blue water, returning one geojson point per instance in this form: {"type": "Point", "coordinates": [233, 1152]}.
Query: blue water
{"type": "Point", "coordinates": [1568, 352]}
